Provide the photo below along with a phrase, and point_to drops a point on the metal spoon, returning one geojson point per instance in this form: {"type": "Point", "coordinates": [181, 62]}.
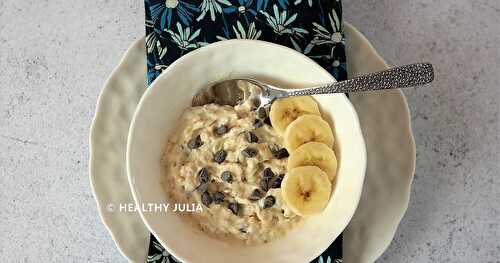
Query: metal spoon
{"type": "Point", "coordinates": [227, 92]}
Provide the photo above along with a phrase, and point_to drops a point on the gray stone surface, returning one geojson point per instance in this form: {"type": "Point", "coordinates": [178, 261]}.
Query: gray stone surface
{"type": "Point", "coordinates": [55, 55]}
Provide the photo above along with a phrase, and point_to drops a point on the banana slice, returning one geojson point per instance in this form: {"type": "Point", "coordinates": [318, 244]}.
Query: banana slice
{"type": "Point", "coordinates": [306, 190]}
{"type": "Point", "coordinates": [286, 110]}
{"type": "Point", "coordinates": [315, 154]}
{"type": "Point", "coordinates": [307, 128]}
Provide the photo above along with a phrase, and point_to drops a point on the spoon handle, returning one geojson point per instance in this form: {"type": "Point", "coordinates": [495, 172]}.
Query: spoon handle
{"type": "Point", "coordinates": [394, 78]}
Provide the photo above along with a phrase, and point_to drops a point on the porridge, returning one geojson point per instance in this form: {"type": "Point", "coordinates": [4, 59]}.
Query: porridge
{"type": "Point", "coordinates": [233, 162]}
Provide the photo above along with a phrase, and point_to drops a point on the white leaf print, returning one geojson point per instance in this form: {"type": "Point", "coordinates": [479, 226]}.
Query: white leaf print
{"type": "Point", "coordinates": [290, 20]}
{"type": "Point", "coordinates": [295, 45]}
{"type": "Point", "coordinates": [213, 7]}
{"type": "Point", "coordinates": [195, 35]}
{"type": "Point", "coordinates": [183, 37]}
{"type": "Point", "coordinates": [281, 24]}
{"type": "Point", "coordinates": [179, 29]}
{"type": "Point", "coordinates": [242, 30]}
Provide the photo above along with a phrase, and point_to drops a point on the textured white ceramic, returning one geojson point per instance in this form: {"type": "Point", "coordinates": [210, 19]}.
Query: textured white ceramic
{"type": "Point", "coordinates": [157, 116]}
{"type": "Point", "coordinates": [108, 142]}
{"type": "Point", "coordinates": [386, 184]}
{"type": "Point", "coordinates": [385, 120]}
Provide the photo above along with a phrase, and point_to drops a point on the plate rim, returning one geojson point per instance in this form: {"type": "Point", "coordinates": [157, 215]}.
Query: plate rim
{"type": "Point", "coordinates": [411, 137]}
{"type": "Point", "coordinates": [368, 45]}
{"type": "Point", "coordinates": [92, 143]}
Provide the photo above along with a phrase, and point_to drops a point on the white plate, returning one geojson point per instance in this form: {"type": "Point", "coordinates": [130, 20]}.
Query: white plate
{"type": "Point", "coordinates": [384, 119]}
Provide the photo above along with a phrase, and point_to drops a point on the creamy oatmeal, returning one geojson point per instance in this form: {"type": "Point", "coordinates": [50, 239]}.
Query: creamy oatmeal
{"type": "Point", "coordinates": [230, 160]}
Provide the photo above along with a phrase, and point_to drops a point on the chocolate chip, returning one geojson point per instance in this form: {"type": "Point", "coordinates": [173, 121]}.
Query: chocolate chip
{"type": "Point", "coordinates": [258, 123]}
{"type": "Point", "coordinates": [268, 173]}
{"type": "Point", "coordinates": [218, 197]}
{"type": "Point", "coordinates": [264, 184]}
{"type": "Point", "coordinates": [203, 187]}
{"type": "Point", "coordinates": [220, 156]}
{"type": "Point", "coordinates": [221, 130]}
{"type": "Point", "coordinates": [251, 137]}
{"type": "Point", "coordinates": [206, 199]}
{"type": "Point", "coordinates": [261, 113]}
{"type": "Point", "coordinates": [203, 175]}
{"type": "Point", "coordinates": [268, 121]}
{"type": "Point", "coordinates": [195, 142]}
{"type": "Point", "coordinates": [226, 176]}
{"type": "Point", "coordinates": [255, 195]}
{"type": "Point", "coordinates": [269, 201]}
{"type": "Point", "coordinates": [277, 182]}
{"type": "Point", "coordinates": [249, 152]}
{"type": "Point", "coordinates": [234, 207]}
{"type": "Point", "coordinates": [281, 153]}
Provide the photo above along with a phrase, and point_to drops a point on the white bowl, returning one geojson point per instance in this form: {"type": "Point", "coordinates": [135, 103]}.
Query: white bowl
{"type": "Point", "coordinates": [171, 93]}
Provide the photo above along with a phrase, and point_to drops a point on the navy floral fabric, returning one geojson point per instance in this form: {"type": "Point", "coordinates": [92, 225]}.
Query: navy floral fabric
{"type": "Point", "coordinates": [312, 27]}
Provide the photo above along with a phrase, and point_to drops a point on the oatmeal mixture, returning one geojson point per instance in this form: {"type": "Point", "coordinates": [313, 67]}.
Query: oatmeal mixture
{"type": "Point", "coordinates": [230, 160]}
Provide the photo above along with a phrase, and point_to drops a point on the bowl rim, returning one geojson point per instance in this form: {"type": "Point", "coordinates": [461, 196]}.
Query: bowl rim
{"type": "Point", "coordinates": [150, 90]}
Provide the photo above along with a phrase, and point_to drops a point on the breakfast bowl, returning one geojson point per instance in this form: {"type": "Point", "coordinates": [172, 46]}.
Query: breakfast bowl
{"type": "Point", "coordinates": [157, 116]}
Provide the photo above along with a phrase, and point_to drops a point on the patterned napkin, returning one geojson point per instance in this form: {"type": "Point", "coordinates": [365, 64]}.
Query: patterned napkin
{"type": "Point", "coordinates": [312, 27]}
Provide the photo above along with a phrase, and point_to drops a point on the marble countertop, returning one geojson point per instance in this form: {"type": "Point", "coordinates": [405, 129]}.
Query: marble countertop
{"type": "Point", "coordinates": [55, 56]}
